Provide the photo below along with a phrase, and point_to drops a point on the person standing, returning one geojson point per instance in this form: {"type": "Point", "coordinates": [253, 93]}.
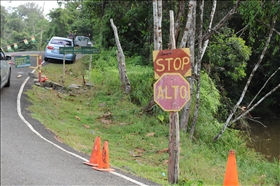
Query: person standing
{"type": "Point", "coordinates": [70, 36]}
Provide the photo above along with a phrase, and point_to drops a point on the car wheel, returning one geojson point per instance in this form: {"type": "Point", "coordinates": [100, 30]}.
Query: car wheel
{"type": "Point", "coordinates": [46, 59]}
{"type": "Point", "coordinates": [9, 80]}
{"type": "Point", "coordinates": [74, 59]}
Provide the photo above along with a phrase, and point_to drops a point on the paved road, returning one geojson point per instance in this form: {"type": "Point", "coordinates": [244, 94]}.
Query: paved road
{"type": "Point", "coordinates": [30, 155]}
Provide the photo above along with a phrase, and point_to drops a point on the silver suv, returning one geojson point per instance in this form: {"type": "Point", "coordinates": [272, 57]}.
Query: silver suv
{"type": "Point", "coordinates": [5, 73]}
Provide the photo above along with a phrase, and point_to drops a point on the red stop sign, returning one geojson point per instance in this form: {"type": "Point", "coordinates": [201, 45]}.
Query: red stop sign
{"type": "Point", "coordinates": [172, 61]}
{"type": "Point", "coordinates": [171, 91]}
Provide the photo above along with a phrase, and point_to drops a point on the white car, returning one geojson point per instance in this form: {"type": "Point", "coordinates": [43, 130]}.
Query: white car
{"type": "Point", "coordinates": [82, 41]}
{"type": "Point", "coordinates": [5, 73]}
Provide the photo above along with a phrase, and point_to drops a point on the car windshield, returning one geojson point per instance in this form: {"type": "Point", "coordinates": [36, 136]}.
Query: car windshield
{"type": "Point", "coordinates": [2, 55]}
{"type": "Point", "coordinates": [61, 42]}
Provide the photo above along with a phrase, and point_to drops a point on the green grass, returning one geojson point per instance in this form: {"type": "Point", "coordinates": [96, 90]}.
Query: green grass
{"type": "Point", "coordinates": [104, 110]}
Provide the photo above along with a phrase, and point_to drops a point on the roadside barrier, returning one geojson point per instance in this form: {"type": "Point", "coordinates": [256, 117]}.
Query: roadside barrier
{"type": "Point", "coordinates": [24, 61]}
{"type": "Point", "coordinates": [96, 153]}
{"type": "Point", "coordinates": [104, 162]}
{"type": "Point", "coordinates": [231, 176]}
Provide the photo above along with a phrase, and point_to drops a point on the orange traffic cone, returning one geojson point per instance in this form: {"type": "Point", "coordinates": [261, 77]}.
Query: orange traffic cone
{"type": "Point", "coordinates": [231, 176]}
{"type": "Point", "coordinates": [104, 163]}
{"type": "Point", "coordinates": [44, 79]}
{"type": "Point", "coordinates": [96, 153]}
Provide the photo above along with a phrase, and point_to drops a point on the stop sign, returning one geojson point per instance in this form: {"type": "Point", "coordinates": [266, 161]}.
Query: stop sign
{"type": "Point", "coordinates": [172, 61]}
{"type": "Point", "coordinates": [171, 91]}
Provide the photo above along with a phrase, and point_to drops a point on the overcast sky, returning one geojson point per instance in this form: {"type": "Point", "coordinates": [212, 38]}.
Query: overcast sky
{"type": "Point", "coordinates": [14, 3]}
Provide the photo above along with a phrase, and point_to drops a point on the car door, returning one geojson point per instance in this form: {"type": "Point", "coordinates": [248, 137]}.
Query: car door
{"type": "Point", "coordinates": [4, 65]}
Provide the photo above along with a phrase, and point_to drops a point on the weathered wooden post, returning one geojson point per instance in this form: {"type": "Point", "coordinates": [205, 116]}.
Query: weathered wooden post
{"type": "Point", "coordinates": [171, 93]}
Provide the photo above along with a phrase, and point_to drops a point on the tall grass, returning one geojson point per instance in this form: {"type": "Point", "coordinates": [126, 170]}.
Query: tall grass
{"type": "Point", "coordinates": [138, 141]}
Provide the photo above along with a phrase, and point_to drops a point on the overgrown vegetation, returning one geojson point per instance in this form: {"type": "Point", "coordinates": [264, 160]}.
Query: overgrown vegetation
{"type": "Point", "coordinates": [104, 110]}
{"type": "Point", "coordinates": [138, 142]}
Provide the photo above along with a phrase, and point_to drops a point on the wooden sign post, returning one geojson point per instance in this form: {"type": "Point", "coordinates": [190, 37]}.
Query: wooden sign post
{"type": "Point", "coordinates": [171, 93]}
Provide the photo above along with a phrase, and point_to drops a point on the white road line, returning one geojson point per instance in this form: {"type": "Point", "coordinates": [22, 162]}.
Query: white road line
{"type": "Point", "coordinates": [38, 134]}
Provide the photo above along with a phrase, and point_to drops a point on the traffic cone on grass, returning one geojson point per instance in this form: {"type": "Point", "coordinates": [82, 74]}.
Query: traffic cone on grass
{"type": "Point", "coordinates": [231, 176]}
{"type": "Point", "coordinates": [43, 79]}
{"type": "Point", "coordinates": [104, 162]}
{"type": "Point", "coordinates": [96, 153]}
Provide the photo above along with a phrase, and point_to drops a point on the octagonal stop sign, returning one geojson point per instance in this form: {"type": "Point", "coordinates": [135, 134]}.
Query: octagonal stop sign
{"type": "Point", "coordinates": [171, 91]}
{"type": "Point", "coordinates": [172, 61]}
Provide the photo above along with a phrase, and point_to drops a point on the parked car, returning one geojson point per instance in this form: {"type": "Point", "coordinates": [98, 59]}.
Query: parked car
{"type": "Point", "coordinates": [52, 49]}
{"type": "Point", "coordinates": [5, 73]}
{"type": "Point", "coordinates": [82, 41]}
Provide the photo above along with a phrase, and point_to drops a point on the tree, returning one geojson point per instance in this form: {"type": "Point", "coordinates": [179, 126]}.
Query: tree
{"type": "Point", "coordinates": [134, 25]}
{"type": "Point", "coordinates": [202, 45]}
{"type": "Point", "coordinates": [273, 16]}
{"type": "Point", "coordinates": [227, 56]}
{"type": "Point", "coordinates": [60, 23]}
{"type": "Point", "coordinates": [121, 62]}
{"type": "Point", "coordinates": [21, 23]}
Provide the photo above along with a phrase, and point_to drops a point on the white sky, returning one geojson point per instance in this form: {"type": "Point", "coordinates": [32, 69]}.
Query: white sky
{"type": "Point", "coordinates": [15, 3]}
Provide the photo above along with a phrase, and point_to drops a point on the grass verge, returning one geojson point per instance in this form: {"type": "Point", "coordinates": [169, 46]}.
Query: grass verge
{"type": "Point", "coordinates": [138, 142]}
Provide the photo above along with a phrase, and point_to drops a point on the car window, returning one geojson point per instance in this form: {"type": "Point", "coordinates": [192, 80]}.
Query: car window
{"type": "Point", "coordinates": [2, 56]}
{"type": "Point", "coordinates": [61, 42]}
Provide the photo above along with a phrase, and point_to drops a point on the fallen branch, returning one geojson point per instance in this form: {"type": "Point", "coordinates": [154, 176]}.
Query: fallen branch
{"type": "Point", "coordinates": [257, 122]}
{"type": "Point", "coordinates": [247, 111]}
{"type": "Point", "coordinates": [264, 86]}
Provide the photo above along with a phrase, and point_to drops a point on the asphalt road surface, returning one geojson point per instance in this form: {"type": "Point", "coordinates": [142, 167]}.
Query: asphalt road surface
{"type": "Point", "coordinates": [30, 154]}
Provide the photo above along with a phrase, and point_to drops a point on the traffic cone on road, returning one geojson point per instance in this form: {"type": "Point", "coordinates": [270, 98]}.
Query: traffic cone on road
{"type": "Point", "coordinates": [96, 153]}
{"type": "Point", "coordinates": [231, 176]}
{"type": "Point", "coordinates": [104, 162]}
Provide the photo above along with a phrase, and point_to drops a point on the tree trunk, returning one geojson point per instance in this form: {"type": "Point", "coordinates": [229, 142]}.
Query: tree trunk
{"type": "Point", "coordinates": [189, 39]}
{"type": "Point", "coordinates": [202, 47]}
{"type": "Point", "coordinates": [121, 61]}
{"type": "Point", "coordinates": [174, 130]}
{"type": "Point", "coordinates": [157, 12]}
{"type": "Point", "coordinates": [263, 87]}
{"type": "Point", "coordinates": [198, 63]}
{"type": "Point", "coordinates": [222, 21]}
{"type": "Point", "coordinates": [205, 44]}
{"type": "Point", "coordinates": [159, 32]}
{"type": "Point", "coordinates": [177, 23]}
